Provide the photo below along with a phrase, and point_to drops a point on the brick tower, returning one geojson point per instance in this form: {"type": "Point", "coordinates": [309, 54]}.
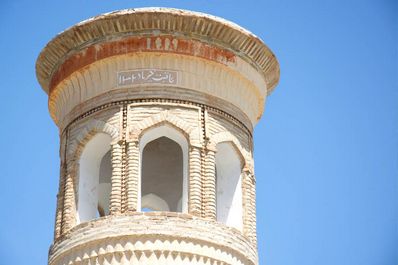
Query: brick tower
{"type": "Point", "coordinates": [155, 109]}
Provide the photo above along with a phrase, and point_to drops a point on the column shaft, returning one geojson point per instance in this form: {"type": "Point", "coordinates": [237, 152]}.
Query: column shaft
{"type": "Point", "coordinates": [195, 185]}
{"type": "Point", "coordinates": [116, 180]}
{"type": "Point", "coordinates": [209, 186]}
{"type": "Point", "coordinates": [60, 198]}
{"type": "Point", "coordinates": [69, 209]}
{"type": "Point", "coordinates": [249, 204]}
{"type": "Point", "coordinates": [133, 155]}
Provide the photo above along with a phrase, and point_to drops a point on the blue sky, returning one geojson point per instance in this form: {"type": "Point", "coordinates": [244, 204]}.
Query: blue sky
{"type": "Point", "coordinates": [325, 149]}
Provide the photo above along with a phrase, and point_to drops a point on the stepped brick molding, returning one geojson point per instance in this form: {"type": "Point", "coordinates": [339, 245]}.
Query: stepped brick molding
{"type": "Point", "coordinates": [171, 238]}
{"type": "Point", "coordinates": [121, 83]}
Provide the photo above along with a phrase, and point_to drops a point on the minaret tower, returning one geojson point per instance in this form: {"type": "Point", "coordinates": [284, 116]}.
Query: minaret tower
{"type": "Point", "coordinates": [155, 109]}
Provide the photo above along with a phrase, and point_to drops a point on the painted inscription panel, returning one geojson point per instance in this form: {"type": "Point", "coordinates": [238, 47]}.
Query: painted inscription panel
{"type": "Point", "coordinates": [147, 76]}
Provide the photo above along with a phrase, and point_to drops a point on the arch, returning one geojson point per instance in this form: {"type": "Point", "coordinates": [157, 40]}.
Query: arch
{"type": "Point", "coordinates": [227, 137]}
{"type": "Point", "coordinates": [162, 118]}
{"type": "Point", "coordinates": [230, 159]}
{"type": "Point", "coordinates": [88, 131]}
{"type": "Point", "coordinates": [165, 129]}
{"type": "Point", "coordinates": [89, 172]}
{"type": "Point", "coordinates": [229, 201]}
{"type": "Point", "coordinates": [162, 129]}
{"type": "Point", "coordinates": [99, 132]}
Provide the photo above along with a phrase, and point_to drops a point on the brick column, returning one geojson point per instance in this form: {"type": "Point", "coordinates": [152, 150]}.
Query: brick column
{"type": "Point", "coordinates": [116, 180]}
{"type": "Point", "coordinates": [249, 205]}
{"type": "Point", "coordinates": [209, 185]}
{"type": "Point", "coordinates": [60, 198]}
{"type": "Point", "coordinates": [69, 208]}
{"type": "Point", "coordinates": [195, 183]}
{"type": "Point", "coordinates": [133, 156]}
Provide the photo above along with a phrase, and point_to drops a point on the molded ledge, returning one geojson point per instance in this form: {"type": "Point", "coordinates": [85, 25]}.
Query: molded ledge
{"type": "Point", "coordinates": [153, 238]}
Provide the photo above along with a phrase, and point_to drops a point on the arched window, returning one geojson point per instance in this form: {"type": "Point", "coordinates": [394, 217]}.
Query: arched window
{"type": "Point", "coordinates": [229, 186]}
{"type": "Point", "coordinates": [95, 172]}
{"type": "Point", "coordinates": [164, 159]}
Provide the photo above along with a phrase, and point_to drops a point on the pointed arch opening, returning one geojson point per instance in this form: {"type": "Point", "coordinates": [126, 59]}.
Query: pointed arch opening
{"type": "Point", "coordinates": [229, 185]}
{"type": "Point", "coordinates": [95, 171]}
{"type": "Point", "coordinates": [163, 170]}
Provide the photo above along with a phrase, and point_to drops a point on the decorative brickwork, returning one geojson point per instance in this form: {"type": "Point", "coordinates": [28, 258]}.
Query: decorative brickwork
{"type": "Point", "coordinates": [61, 189]}
{"type": "Point", "coordinates": [209, 185]}
{"type": "Point", "coordinates": [59, 209]}
{"type": "Point", "coordinates": [170, 238]}
{"type": "Point", "coordinates": [133, 157]}
{"type": "Point", "coordinates": [249, 206]}
{"type": "Point", "coordinates": [115, 206]}
{"type": "Point", "coordinates": [92, 127]}
{"type": "Point", "coordinates": [162, 118]}
{"type": "Point", "coordinates": [155, 95]}
{"type": "Point", "coordinates": [195, 181]}
{"type": "Point", "coordinates": [69, 207]}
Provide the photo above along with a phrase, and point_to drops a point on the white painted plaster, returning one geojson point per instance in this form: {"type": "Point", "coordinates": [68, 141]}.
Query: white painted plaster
{"type": "Point", "coordinates": [229, 186]}
{"type": "Point", "coordinates": [89, 171]}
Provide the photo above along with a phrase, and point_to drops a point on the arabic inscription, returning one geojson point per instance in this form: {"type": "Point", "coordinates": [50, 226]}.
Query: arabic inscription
{"type": "Point", "coordinates": [146, 76]}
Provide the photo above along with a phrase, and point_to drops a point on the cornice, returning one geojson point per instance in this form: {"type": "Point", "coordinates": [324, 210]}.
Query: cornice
{"type": "Point", "coordinates": [157, 21]}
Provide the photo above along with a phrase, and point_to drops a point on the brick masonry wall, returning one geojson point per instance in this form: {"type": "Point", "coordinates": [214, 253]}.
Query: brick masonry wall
{"type": "Point", "coordinates": [203, 127]}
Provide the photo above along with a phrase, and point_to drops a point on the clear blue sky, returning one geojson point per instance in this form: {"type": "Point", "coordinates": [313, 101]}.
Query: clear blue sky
{"type": "Point", "coordinates": [325, 149]}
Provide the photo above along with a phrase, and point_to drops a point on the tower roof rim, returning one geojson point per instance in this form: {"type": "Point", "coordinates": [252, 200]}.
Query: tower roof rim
{"type": "Point", "coordinates": [249, 46]}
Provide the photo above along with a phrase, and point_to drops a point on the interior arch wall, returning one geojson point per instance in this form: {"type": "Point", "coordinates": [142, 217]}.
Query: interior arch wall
{"type": "Point", "coordinates": [105, 184]}
{"type": "Point", "coordinates": [89, 173]}
{"type": "Point", "coordinates": [162, 174]}
{"type": "Point", "coordinates": [229, 186]}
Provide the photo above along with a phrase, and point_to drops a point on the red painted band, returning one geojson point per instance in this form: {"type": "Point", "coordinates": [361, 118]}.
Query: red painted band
{"type": "Point", "coordinates": [167, 44]}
